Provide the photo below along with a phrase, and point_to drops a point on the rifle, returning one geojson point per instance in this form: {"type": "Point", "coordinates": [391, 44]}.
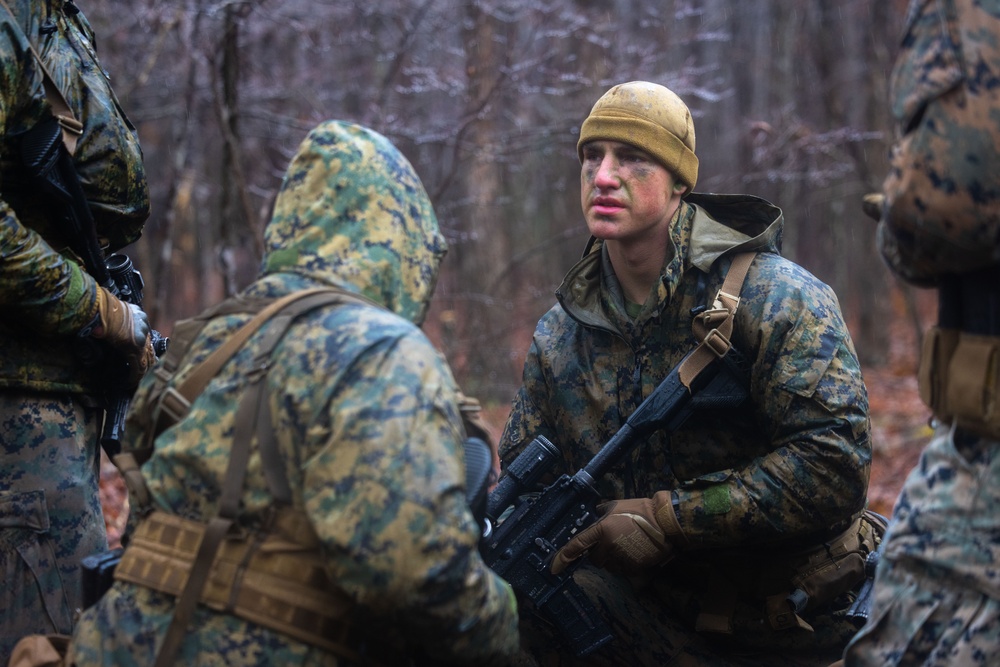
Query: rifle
{"type": "Point", "coordinates": [51, 168]}
{"type": "Point", "coordinates": [521, 547]}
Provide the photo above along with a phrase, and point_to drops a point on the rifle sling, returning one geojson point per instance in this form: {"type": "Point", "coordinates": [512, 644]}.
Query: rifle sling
{"type": "Point", "coordinates": [714, 327]}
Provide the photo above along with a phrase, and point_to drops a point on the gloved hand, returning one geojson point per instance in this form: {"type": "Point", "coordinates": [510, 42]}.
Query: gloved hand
{"type": "Point", "coordinates": [631, 536]}
{"type": "Point", "coordinates": [126, 327]}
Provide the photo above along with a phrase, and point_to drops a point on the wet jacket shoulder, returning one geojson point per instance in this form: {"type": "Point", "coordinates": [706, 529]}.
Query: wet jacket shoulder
{"type": "Point", "coordinates": [805, 429]}
{"type": "Point", "coordinates": [44, 290]}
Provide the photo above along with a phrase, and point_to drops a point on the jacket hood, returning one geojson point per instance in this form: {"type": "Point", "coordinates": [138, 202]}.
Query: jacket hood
{"type": "Point", "coordinates": [732, 224]}
{"type": "Point", "coordinates": [352, 212]}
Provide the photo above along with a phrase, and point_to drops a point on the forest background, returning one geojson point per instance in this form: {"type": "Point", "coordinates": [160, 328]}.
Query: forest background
{"type": "Point", "coordinates": [485, 98]}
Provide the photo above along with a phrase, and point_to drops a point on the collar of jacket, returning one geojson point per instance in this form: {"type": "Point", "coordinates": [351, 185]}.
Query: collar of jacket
{"type": "Point", "coordinates": [730, 224]}
{"type": "Point", "coordinates": [721, 224]}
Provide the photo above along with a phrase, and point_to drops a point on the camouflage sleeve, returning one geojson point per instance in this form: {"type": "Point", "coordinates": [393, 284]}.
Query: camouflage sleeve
{"type": "Point", "coordinates": [38, 286]}
{"type": "Point", "coordinates": [386, 495]}
{"type": "Point", "coordinates": [813, 406]}
{"type": "Point", "coordinates": [50, 294]}
{"type": "Point", "coordinates": [525, 420]}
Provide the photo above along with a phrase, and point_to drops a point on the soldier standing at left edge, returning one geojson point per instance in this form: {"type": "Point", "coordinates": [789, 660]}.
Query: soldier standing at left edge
{"type": "Point", "coordinates": [50, 411]}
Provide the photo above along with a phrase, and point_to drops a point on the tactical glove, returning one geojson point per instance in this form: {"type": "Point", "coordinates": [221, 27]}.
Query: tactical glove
{"type": "Point", "coordinates": [126, 327]}
{"type": "Point", "coordinates": [631, 536]}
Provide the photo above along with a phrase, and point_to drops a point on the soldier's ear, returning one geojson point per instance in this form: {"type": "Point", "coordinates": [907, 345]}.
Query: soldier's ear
{"type": "Point", "coordinates": [679, 188]}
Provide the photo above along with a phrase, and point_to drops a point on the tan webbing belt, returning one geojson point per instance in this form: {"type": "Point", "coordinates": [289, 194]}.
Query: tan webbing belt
{"type": "Point", "coordinates": [278, 582]}
{"type": "Point", "coordinates": [714, 327]}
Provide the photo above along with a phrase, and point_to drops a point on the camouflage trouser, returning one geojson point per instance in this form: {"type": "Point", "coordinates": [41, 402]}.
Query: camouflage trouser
{"type": "Point", "coordinates": [647, 633]}
{"type": "Point", "coordinates": [937, 587]}
{"type": "Point", "coordinates": [50, 512]}
{"type": "Point", "coordinates": [923, 619]}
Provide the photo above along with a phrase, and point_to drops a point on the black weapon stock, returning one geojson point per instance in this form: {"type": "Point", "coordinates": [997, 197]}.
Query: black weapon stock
{"type": "Point", "coordinates": [521, 547]}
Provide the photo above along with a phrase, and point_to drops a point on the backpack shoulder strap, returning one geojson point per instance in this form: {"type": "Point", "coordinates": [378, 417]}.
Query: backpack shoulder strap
{"type": "Point", "coordinates": [714, 326]}
{"type": "Point", "coordinates": [170, 404]}
{"type": "Point", "coordinates": [253, 417]}
{"type": "Point", "coordinates": [70, 126]}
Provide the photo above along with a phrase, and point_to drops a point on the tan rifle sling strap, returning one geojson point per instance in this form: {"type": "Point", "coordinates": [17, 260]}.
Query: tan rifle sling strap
{"type": "Point", "coordinates": [252, 416]}
{"type": "Point", "coordinates": [71, 127]}
{"type": "Point", "coordinates": [714, 327]}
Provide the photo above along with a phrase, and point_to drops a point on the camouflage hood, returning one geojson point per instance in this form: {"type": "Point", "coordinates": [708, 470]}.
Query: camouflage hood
{"type": "Point", "coordinates": [352, 212]}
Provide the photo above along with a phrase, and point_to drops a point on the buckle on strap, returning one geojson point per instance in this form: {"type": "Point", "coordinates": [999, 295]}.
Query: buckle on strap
{"type": "Point", "coordinates": [174, 405]}
{"type": "Point", "coordinates": [69, 124]}
{"type": "Point", "coordinates": [725, 301]}
{"type": "Point", "coordinates": [717, 342]}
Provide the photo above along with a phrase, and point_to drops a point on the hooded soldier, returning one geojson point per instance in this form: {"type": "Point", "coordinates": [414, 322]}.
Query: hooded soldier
{"type": "Point", "coordinates": [365, 417]}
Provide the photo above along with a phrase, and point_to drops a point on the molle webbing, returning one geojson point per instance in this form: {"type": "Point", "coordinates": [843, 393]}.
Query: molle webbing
{"type": "Point", "coordinates": [277, 581]}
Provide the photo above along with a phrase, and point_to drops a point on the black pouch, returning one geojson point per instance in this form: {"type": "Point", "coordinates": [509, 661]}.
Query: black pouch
{"type": "Point", "coordinates": [98, 574]}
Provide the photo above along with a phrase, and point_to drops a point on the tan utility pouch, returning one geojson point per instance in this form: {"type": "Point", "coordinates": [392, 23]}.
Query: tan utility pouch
{"type": "Point", "coordinates": [959, 377]}
{"type": "Point", "coordinates": [798, 583]}
{"type": "Point", "coordinates": [276, 580]}
{"type": "Point", "coordinates": [822, 574]}
{"type": "Point", "coordinates": [830, 570]}
{"type": "Point", "coordinates": [788, 585]}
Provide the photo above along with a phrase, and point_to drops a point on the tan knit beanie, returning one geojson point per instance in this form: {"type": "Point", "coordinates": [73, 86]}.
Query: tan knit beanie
{"type": "Point", "coordinates": [650, 117]}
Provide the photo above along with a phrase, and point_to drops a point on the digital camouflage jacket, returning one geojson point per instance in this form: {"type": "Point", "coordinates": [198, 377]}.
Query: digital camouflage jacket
{"type": "Point", "coordinates": [45, 296]}
{"type": "Point", "coordinates": [366, 418]}
{"type": "Point", "coordinates": [791, 465]}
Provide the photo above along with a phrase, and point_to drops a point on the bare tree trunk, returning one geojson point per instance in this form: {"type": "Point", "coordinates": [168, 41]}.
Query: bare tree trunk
{"type": "Point", "coordinates": [239, 222]}
{"type": "Point", "coordinates": [482, 246]}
